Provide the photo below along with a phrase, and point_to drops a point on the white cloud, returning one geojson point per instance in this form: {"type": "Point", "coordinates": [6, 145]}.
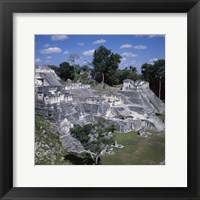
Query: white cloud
{"type": "Point", "coordinates": [123, 59]}
{"type": "Point", "coordinates": [81, 43]}
{"type": "Point", "coordinates": [88, 53]}
{"type": "Point", "coordinates": [140, 47]}
{"type": "Point", "coordinates": [66, 52]}
{"type": "Point", "coordinates": [132, 62]}
{"type": "Point", "coordinates": [46, 45]}
{"type": "Point", "coordinates": [48, 57]}
{"type": "Point", "coordinates": [128, 54]}
{"type": "Point", "coordinates": [37, 60]}
{"type": "Point", "coordinates": [101, 41]}
{"type": "Point", "coordinates": [51, 50]}
{"type": "Point", "coordinates": [152, 60]}
{"type": "Point", "coordinates": [59, 37]}
{"type": "Point", "coordinates": [125, 46]}
{"type": "Point", "coordinates": [157, 35]}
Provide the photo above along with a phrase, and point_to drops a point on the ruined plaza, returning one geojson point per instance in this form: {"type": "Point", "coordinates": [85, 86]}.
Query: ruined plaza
{"type": "Point", "coordinates": [132, 107]}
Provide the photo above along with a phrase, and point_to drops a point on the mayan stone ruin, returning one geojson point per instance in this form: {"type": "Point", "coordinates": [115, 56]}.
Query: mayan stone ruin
{"type": "Point", "coordinates": [132, 107]}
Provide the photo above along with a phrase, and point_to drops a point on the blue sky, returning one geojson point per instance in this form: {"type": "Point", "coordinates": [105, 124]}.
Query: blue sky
{"type": "Point", "coordinates": [134, 49]}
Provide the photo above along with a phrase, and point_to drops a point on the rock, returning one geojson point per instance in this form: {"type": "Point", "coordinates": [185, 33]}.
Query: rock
{"type": "Point", "coordinates": [132, 108]}
{"type": "Point", "coordinates": [71, 144]}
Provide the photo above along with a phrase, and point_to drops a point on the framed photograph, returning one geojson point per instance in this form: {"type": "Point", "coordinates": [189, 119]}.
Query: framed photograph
{"type": "Point", "coordinates": [99, 99]}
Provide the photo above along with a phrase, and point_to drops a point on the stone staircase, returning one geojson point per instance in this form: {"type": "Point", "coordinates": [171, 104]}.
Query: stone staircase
{"type": "Point", "coordinates": [51, 79]}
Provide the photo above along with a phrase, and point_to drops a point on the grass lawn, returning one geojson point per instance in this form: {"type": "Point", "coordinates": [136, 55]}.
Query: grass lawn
{"type": "Point", "coordinates": [137, 150]}
{"type": "Point", "coordinates": [48, 148]}
{"type": "Point", "coordinates": [161, 115]}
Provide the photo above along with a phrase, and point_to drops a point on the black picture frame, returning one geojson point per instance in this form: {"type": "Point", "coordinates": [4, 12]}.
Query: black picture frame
{"type": "Point", "coordinates": [8, 7]}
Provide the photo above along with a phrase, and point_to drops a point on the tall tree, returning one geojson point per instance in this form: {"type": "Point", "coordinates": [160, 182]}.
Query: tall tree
{"type": "Point", "coordinates": [159, 66]}
{"type": "Point", "coordinates": [127, 73]}
{"type": "Point", "coordinates": [155, 75]}
{"type": "Point", "coordinates": [73, 58]}
{"type": "Point", "coordinates": [105, 64]}
{"type": "Point", "coordinates": [66, 71]}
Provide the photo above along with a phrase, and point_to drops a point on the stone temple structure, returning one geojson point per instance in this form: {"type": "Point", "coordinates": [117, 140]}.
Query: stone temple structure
{"type": "Point", "coordinates": [134, 107]}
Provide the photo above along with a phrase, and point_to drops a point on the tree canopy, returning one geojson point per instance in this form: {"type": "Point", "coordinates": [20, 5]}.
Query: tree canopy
{"type": "Point", "coordinates": [66, 71]}
{"type": "Point", "coordinates": [127, 73]}
{"type": "Point", "coordinates": [105, 64]}
{"type": "Point", "coordinates": [105, 68]}
{"type": "Point", "coordinates": [95, 138]}
{"type": "Point", "coordinates": [155, 75]}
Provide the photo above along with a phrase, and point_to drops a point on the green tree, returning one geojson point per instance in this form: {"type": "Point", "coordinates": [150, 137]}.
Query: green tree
{"type": "Point", "coordinates": [127, 73]}
{"type": "Point", "coordinates": [85, 68]}
{"type": "Point", "coordinates": [95, 138]}
{"type": "Point", "coordinates": [159, 66]}
{"type": "Point", "coordinates": [105, 64]}
{"type": "Point", "coordinates": [66, 71]}
{"type": "Point", "coordinates": [73, 58]}
{"type": "Point", "coordinates": [84, 74]}
{"type": "Point", "coordinates": [155, 75]}
{"type": "Point", "coordinates": [130, 73]}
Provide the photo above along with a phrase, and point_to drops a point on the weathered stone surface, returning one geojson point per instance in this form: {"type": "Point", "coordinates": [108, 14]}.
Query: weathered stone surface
{"type": "Point", "coordinates": [71, 144]}
{"type": "Point", "coordinates": [132, 108]}
{"type": "Point", "coordinates": [44, 76]}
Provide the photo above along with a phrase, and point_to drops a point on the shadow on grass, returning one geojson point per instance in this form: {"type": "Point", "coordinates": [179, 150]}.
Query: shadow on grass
{"type": "Point", "coordinates": [79, 159]}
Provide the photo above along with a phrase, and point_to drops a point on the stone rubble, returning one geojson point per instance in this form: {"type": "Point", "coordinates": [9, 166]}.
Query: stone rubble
{"type": "Point", "coordinates": [65, 105]}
